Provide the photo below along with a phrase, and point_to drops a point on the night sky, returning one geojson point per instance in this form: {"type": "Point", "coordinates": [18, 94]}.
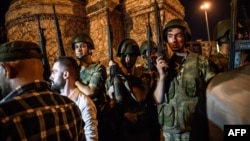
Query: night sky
{"type": "Point", "coordinates": [4, 4]}
{"type": "Point", "coordinates": [219, 10]}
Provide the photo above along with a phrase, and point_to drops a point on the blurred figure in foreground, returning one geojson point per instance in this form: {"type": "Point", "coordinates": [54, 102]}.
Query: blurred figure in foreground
{"type": "Point", "coordinates": [229, 94]}
{"type": "Point", "coordinates": [29, 110]}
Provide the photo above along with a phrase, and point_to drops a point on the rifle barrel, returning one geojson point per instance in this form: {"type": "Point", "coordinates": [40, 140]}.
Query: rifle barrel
{"type": "Point", "coordinates": [58, 33]}
{"type": "Point", "coordinates": [158, 28]}
{"type": "Point", "coordinates": [109, 36]}
{"type": "Point", "coordinates": [149, 36]}
{"type": "Point", "coordinates": [42, 41]}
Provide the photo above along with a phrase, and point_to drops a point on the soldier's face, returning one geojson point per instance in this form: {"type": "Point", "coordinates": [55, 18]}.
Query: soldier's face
{"type": "Point", "coordinates": [176, 39]}
{"type": "Point", "coordinates": [81, 49]}
{"type": "Point", "coordinates": [152, 55]}
{"type": "Point", "coordinates": [128, 60]}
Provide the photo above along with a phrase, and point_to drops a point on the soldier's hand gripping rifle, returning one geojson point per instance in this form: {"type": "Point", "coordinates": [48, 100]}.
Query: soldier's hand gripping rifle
{"type": "Point", "coordinates": [58, 33]}
{"type": "Point", "coordinates": [116, 96]}
{"type": "Point", "coordinates": [42, 41]}
{"type": "Point", "coordinates": [159, 37]}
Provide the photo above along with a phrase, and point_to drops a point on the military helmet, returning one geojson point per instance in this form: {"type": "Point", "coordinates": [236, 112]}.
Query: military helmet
{"type": "Point", "coordinates": [127, 46]}
{"type": "Point", "coordinates": [144, 47]}
{"type": "Point", "coordinates": [221, 28]}
{"type": "Point", "coordinates": [177, 23]}
{"type": "Point", "coordinates": [82, 37]}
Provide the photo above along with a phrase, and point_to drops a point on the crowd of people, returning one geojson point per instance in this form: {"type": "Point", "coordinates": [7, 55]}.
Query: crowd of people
{"type": "Point", "coordinates": [177, 95]}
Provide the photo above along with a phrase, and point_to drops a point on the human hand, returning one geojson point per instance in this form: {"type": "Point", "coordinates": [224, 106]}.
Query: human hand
{"type": "Point", "coordinates": [161, 66]}
{"type": "Point", "coordinates": [110, 92]}
{"type": "Point", "coordinates": [111, 63]}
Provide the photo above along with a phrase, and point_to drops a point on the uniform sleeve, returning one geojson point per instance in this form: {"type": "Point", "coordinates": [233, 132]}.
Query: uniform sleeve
{"type": "Point", "coordinates": [206, 68]}
{"type": "Point", "coordinates": [98, 77]}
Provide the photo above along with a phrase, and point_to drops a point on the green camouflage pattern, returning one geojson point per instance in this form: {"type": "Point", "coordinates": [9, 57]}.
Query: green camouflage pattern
{"type": "Point", "coordinates": [175, 137]}
{"type": "Point", "coordinates": [175, 115]}
{"type": "Point", "coordinates": [95, 75]}
{"type": "Point", "coordinates": [219, 62]}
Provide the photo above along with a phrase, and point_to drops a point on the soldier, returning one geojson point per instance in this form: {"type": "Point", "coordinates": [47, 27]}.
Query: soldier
{"type": "Point", "coordinates": [92, 74]}
{"type": "Point", "coordinates": [148, 57]}
{"type": "Point", "coordinates": [221, 35]}
{"type": "Point", "coordinates": [182, 79]}
{"type": "Point", "coordinates": [134, 117]}
{"type": "Point", "coordinates": [29, 110]}
{"type": "Point", "coordinates": [147, 71]}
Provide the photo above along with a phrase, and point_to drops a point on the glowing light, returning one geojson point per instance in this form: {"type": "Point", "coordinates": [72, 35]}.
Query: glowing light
{"type": "Point", "coordinates": [205, 6]}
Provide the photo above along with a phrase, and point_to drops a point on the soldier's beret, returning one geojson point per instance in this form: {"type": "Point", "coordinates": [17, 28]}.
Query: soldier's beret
{"type": "Point", "coordinates": [19, 50]}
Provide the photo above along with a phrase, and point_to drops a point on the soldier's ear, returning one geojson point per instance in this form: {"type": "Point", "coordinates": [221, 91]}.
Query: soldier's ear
{"type": "Point", "coordinates": [10, 72]}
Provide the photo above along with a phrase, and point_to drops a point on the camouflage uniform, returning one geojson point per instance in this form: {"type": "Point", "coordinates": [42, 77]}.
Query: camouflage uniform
{"type": "Point", "coordinates": [221, 35]}
{"type": "Point", "coordinates": [142, 112]}
{"type": "Point", "coordinates": [184, 84]}
{"type": "Point", "coordinates": [148, 78]}
{"type": "Point", "coordinates": [95, 75]}
{"type": "Point", "coordinates": [134, 113]}
{"type": "Point", "coordinates": [147, 70]}
{"type": "Point", "coordinates": [219, 62]}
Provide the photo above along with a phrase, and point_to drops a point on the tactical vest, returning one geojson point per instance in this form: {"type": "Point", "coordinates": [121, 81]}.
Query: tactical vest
{"type": "Point", "coordinates": [175, 115]}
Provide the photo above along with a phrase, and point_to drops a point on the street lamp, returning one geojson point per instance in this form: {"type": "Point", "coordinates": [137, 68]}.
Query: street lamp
{"type": "Point", "coordinates": [204, 7]}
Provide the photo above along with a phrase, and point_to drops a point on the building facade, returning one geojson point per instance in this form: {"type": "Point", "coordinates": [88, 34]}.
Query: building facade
{"type": "Point", "coordinates": [128, 19]}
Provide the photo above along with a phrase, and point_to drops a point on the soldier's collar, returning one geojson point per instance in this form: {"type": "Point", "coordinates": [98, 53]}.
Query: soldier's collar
{"type": "Point", "coordinates": [182, 54]}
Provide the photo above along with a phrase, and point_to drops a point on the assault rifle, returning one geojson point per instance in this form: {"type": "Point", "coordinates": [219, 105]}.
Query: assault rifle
{"type": "Point", "coordinates": [58, 33]}
{"type": "Point", "coordinates": [158, 27]}
{"type": "Point", "coordinates": [42, 41]}
{"type": "Point", "coordinates": [160, 44]}
{"type": "Point", "coordinates": [117, 97]}
{"type": "Point", "coordinates": [149, 37]}
{"type": "Point", "coordinates": [109, 32]}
